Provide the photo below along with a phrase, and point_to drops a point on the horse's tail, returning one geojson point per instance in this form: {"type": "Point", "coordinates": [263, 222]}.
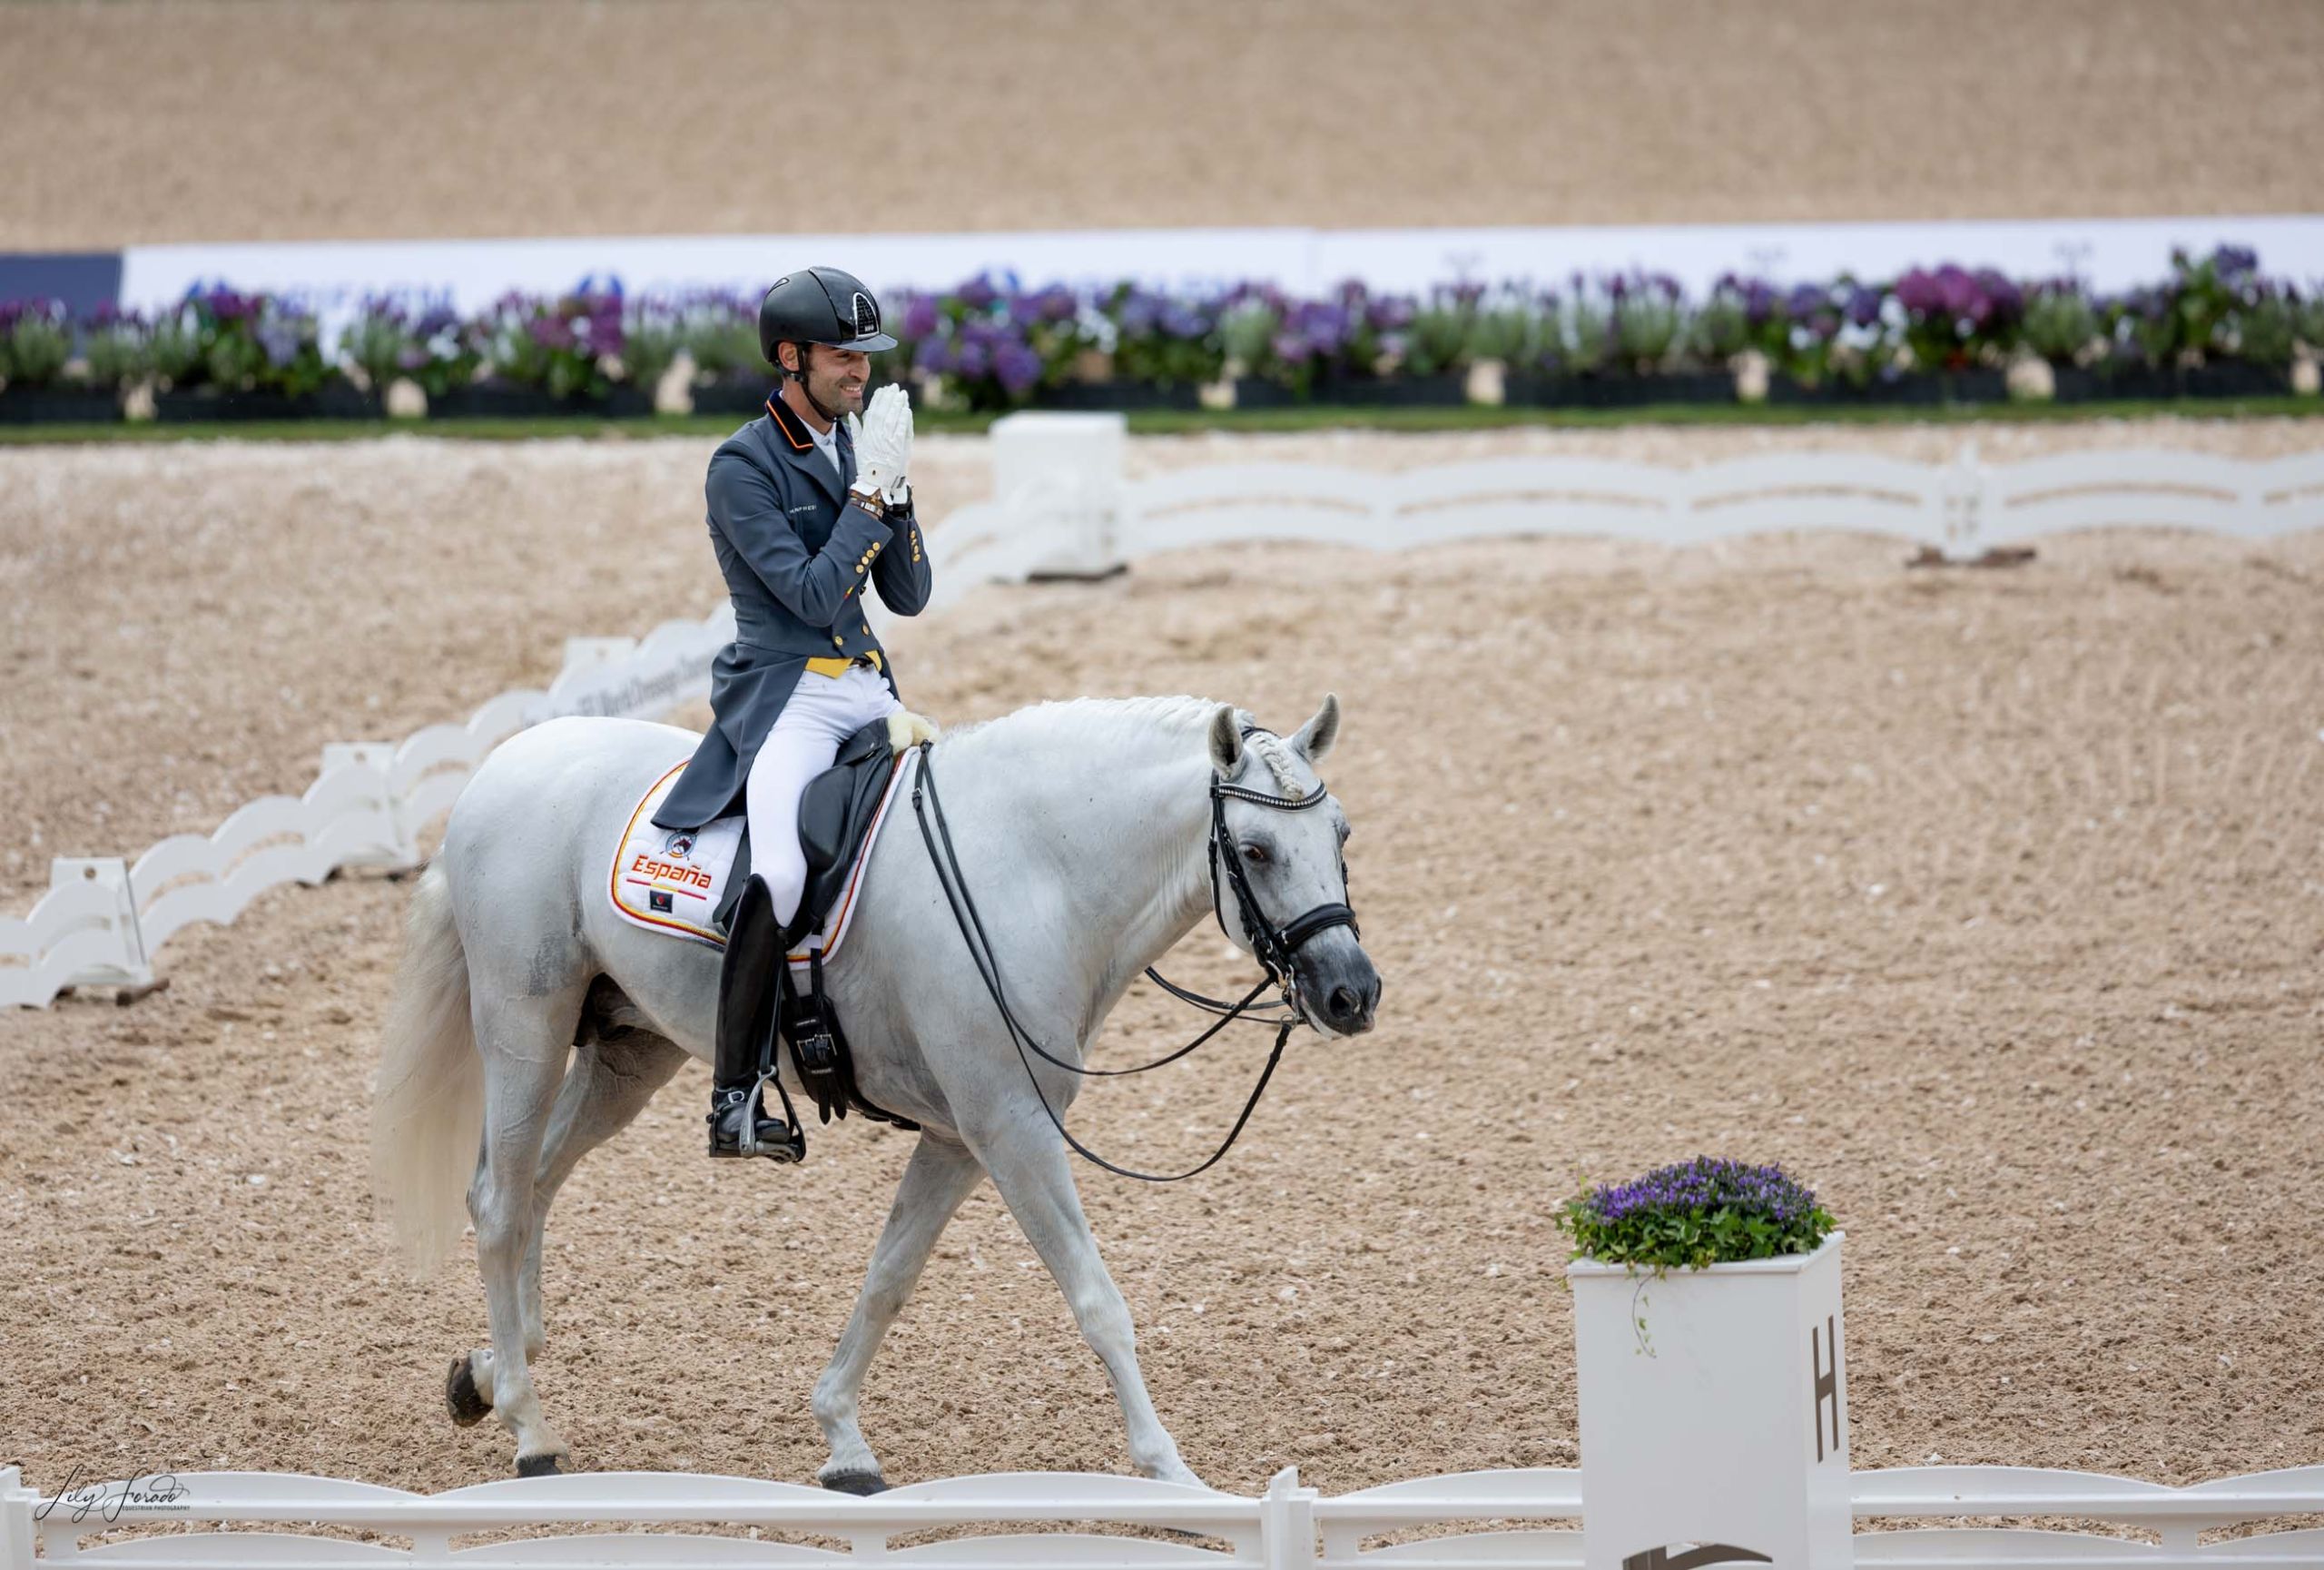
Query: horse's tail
{"type": "Point", "coordinates": [427, 1111]}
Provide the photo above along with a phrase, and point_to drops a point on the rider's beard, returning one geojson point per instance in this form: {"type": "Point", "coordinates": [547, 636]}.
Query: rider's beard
{"type": "Point", "coordinates": [826, 389]}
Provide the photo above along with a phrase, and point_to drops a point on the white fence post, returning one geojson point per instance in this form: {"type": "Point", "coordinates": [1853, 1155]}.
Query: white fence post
{"type": "Point", "coordinates": [1063, 472]}
{"type": "Point", "coordinates": [16, 1503]}
{"type": "Point", "coordinates": [1967, 490]}
{"type": "Point", "coordinates": [119, 959]}
{"type": "Point", "coordinates": [396, 849]}
{"type": "Point", "coordinates": [1288, 1522]}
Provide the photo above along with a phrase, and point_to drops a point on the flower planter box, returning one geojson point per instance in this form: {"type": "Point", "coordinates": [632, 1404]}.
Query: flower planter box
{"type": "Point", "coordinates": [1123, 395]}
{"type": "Point", "coordinates": [2138, 381]}
{"type": "Point", "coordinates": [332, 401]}
{"type": "Point", "coordinates": [58, 406]}
{"type": "Point", "coordinates": [2235, 379]}
{"type": "Point", "coordinates": [1723, 1419]}
{"type": "Point", "coordinates": [1393, 391]}
{"type": "Point", "coordinates": [506, 400]}
{"type": "Point", "coordinates": [745, 395]}
{"type": "Point", "coordinates": [2075, 384]}
{"type": "Point", "coordinates": [1258, 392]}
{"type": "Point", "coordinates": [1617, 391]}
{"type": "Point", "coordinates": [1914, 388]}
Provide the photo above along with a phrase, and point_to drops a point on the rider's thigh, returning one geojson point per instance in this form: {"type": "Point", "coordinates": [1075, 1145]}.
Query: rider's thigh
{"type": "Point", "coordinates": [791, 755]}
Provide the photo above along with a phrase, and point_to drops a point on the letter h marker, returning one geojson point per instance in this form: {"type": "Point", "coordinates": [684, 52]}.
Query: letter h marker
{"type": "Point", "coordinates": [1827, 1380]}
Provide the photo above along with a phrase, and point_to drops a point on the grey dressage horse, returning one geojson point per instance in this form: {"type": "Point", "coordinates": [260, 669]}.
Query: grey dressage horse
{"type": "Point", "coordinates": [530, 1023]}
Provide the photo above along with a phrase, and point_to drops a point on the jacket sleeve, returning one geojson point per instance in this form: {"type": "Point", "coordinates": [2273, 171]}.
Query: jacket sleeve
{"type": "Point", "coordinates": [746, 506]}
{"type": "Point", "coordinates": [901, 572]}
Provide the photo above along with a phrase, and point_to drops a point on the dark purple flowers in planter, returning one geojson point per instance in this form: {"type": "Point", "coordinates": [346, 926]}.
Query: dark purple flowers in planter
{"type": "Point", "coordinates": [1706, 1212]}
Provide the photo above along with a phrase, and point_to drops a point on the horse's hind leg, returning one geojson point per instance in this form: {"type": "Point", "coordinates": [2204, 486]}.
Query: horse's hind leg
{"type": "Point", "coordinates": [938, 1178]}
{"type": "Point", "coordinates": [523, 1042]}
{"type": "Point", "coordinates": [608, 1085]}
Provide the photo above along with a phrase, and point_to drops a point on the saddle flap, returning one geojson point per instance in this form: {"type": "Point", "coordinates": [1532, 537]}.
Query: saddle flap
{"type": "Point", "coordinates": [838, 803]}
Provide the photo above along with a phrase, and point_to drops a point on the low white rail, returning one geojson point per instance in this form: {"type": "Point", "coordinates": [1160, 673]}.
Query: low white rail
{"type": "Point", "coordinates": [1067, 507]}
{"type": "Point", "coordinates": [1288, 1527]}
{"type": "Point", "coordinates": [1084, 516]}
{"type": "Point", "coordinates": [103, 919]}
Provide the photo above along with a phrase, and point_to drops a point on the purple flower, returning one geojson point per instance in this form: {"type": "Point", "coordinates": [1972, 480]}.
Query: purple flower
{"type": "Point", "coordinates": [973, 359]}
{"type": "Point", "coordinates": [1018, 367]}
{"type": "Point", "coordinates": [920, 316]}
{"type": "Point", "coordinates": [978, 292]}
{"type": "Point", "coordinates": [280, 337]}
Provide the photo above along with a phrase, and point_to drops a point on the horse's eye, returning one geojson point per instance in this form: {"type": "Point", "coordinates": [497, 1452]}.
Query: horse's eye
{"type": "Point", "coordinates": [1254, 853]}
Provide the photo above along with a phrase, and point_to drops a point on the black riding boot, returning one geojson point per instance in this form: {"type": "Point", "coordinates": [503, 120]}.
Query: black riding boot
{"type": "Point", "coordinates": [739, 1123]}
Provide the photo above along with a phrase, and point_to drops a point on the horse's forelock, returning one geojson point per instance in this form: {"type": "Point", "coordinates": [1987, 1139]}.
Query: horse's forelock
{"type": "Point", "coordinates": [1276, 755]}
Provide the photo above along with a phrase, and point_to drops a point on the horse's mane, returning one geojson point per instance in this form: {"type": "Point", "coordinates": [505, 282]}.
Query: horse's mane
{"type": "Point", "coordinates": [1104, 722]}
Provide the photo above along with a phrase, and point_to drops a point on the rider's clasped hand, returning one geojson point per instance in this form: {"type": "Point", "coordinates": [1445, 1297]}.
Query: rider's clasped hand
{"type": "Point", "coordinates": [883, 444]}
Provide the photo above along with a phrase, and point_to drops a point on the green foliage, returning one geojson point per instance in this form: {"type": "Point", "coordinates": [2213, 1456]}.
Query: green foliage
{"type": "Point", "coordinates": [36, 346]}
{"type": "Point", "coordinates": [2265, 332]}
{"type": "Point", "coordinates": [1698, 1213]}
{"type": "Point", "coordinates": [1246, 332]}
{"type": "Point", "coordinates": [174, 347]}
{"type": "Point", "coordinates": [1722, 328]}
{"type": "Point", "coordinates": [2060, 324]}
{"type": "Point", "coordinates": [1438, 339]}
{"type": "Point", "coordinates": [652, 333]}
{"type": "Point", "coordinates": [1583, 334]}
{"type": "Point", "coordinates": [117, 352]}
{"type": "Point", "coordinates": [1648, 322]}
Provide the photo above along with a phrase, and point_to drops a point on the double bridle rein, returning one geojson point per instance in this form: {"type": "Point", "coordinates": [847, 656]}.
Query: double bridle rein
{"type": "Point", "coordinates": [1273, 947]}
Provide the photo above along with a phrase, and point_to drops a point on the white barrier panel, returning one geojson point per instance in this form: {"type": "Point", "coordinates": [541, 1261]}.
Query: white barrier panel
{"type": "Point", "coordinates": [1288, 1527]}
{"type": "Point", "coordinates": [100, 924]}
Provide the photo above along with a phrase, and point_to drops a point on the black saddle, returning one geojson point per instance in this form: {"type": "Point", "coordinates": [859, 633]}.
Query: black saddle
{"type": "Point", "coordinates": [835, 811]}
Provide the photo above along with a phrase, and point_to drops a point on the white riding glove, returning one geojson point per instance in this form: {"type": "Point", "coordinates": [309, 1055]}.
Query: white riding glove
{"type": "Point", "coordinates": [883, 445]}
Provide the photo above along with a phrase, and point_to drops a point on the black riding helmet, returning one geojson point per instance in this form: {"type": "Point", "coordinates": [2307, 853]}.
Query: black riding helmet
{"type": "Point", "coordinates": [820, 305]}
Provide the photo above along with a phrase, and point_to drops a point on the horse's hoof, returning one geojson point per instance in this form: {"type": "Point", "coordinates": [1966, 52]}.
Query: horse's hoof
{"type": "Point", "coordinates": [861, 1484]}
{"type": "Point", "coordinates": [461, 1397]}
{"type": "Point", "coordinates": [539, 1466]}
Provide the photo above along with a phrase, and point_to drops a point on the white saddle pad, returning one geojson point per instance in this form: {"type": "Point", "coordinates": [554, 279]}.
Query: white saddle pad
{"type": "Point", "coordinates": [673, 880]}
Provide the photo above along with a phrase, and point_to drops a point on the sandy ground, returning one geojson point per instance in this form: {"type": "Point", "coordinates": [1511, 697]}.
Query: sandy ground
{"type": "Point", "coordinates": [285, 121]}
{"type": "Point", "coordinates": [1988, 901]}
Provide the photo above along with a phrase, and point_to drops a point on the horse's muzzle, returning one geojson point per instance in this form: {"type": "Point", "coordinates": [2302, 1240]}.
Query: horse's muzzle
{"type": "Point", "coordinates": [1342, 991]}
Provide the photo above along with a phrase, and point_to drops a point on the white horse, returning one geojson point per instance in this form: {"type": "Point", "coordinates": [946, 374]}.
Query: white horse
{"type": "Point", "coordinates": [530, 1023]}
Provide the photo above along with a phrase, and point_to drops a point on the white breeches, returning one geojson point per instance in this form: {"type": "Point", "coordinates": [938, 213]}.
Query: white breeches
{"type": "Point", "coordinates": [822, 712]}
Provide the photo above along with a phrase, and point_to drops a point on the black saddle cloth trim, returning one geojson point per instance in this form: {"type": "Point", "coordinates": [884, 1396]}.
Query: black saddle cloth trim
{"type": "Point", "coordinates": [835, 811]}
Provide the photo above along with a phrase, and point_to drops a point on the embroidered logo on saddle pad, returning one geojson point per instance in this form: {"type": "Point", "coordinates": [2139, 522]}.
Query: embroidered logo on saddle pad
{"type": "Point", "coordinates": [672, 881]}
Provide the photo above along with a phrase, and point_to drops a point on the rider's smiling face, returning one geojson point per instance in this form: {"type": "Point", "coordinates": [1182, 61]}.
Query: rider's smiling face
{"type": "Point", "coordinates": [835, 377]}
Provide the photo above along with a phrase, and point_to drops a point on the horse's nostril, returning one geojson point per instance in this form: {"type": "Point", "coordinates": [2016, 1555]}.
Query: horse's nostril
{"type": "Point", "coordinates": [1344, 1002]}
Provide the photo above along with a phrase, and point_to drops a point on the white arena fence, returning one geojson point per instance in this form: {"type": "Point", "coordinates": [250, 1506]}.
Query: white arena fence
{"type": "Point", "coordinates": [1064, 506]}
{"type": "Point", "coordinates": [1288, 1527]}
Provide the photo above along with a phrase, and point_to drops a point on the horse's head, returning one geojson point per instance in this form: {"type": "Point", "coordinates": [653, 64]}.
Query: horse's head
{"type": "Point", "coordinates": [1278, 874]}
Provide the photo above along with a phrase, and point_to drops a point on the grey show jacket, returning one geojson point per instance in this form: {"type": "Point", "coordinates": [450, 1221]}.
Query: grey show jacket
{"type": "Point", "coordinates": [797, 558]}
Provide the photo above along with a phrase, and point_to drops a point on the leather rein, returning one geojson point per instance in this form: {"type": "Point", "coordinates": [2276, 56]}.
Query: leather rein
{"type": "Point", "coordinates": [1273, 947]}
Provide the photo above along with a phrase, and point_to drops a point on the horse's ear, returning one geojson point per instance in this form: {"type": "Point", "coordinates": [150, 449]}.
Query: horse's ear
{"type": "Point", "coordinates": [1225, 741]}
{"type": "Point", "coordinates": [1315, 739]}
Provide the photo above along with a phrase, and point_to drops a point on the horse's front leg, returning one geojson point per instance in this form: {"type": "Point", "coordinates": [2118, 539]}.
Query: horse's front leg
{"type": "Point", "coordinates": [939, 1175]}
{"type": "Point", "coordinates": [1030, 1167]}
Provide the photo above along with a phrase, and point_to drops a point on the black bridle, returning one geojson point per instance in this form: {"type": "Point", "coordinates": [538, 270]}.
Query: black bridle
{"type": "Point", "coordinates": [1273, 947]}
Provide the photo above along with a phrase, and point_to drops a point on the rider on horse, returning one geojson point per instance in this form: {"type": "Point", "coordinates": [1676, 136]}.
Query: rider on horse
{"type": "Point", "coordinates": [808, 507]}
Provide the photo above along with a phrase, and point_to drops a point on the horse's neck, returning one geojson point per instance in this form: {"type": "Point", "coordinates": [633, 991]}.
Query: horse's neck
{"type": "Point", "coordinates": [1122, 839]}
